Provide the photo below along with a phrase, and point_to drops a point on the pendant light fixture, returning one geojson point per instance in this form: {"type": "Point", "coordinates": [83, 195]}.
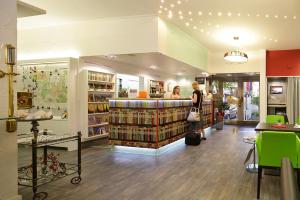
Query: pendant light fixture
{"type": "Point", "coordinates": [236, 56]}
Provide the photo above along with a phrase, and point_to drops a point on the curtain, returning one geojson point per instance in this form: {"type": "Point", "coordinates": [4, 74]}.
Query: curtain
{"type": "Point", "coordinates": [293, 99]}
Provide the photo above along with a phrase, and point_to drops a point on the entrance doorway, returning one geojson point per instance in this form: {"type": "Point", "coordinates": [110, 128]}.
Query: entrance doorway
{"type": "Point", "coordinates": [251, 101]}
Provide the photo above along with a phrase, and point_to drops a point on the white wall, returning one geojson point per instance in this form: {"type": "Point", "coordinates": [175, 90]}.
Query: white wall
{"type": "Point", "coordinates": [256, 63]}
{"type": "Point", "coordinates": [90, 38]}
{"type": "Point", "coordinates": [8, 141]}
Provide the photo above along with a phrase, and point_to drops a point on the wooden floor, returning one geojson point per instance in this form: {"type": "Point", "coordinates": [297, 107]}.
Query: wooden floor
{"type": "Point", "coordinates": [212, 171]}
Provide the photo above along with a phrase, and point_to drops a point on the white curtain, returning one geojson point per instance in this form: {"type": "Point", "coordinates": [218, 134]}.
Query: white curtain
{"type": "Point", "coordinates": [293, 99]}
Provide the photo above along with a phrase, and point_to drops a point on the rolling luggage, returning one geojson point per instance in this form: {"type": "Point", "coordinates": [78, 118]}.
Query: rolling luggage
{"type": "Point", "coordinates": [192, 138]}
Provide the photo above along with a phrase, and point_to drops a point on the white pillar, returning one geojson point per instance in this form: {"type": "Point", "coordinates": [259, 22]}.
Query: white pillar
{"type": "Point", "coordinates": [8, 141]}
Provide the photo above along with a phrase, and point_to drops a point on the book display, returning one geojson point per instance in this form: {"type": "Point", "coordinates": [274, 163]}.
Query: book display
{"type": "Point", "coordinates": [149, 123]}
{"type": "Point", "coordinates": [101, 88]}
{"type": "Point", "coordinates": [156, 89]}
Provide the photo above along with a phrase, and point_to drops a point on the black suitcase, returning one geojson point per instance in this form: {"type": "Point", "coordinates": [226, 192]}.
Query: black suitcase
{"type": "Point", "coordinates": [192, 138]}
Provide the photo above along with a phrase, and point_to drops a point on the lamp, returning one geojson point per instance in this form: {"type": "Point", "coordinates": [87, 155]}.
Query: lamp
{"type": "Point", "coordinates": [236, 56]}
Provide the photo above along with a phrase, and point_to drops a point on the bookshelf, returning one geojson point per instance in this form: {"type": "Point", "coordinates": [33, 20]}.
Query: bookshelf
{"type": "Point", "coordinates": [156, 88]}
{"type": "Point", "coordinates": [148, 123]}
{"type": "Point", "coordinates": [101, 88]}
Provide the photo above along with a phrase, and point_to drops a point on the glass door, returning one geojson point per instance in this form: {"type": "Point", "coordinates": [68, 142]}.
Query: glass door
{"type": "Point", "coordinates": [231, 100]}
{"type": "Point", "coordinates": [251, 101]}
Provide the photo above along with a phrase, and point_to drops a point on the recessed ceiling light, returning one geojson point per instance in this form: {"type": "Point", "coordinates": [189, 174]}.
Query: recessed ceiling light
{"type": "Point", "coordinates": [166, 9]}
{"type": "Point", "coordinates": [162, 1]}
{"type": "Point", "coordinates": [276, 16]}
{"type": "Point", "coordinates": [181, 17]}
{"type": "Point", "coordinates": [179, 73]}
{"type": "Point", "coordinates": [190, 12]}
{"type": "Point", "coordinates": [208, 24]}
{"type": "Point", "coordinates": [159, 11]}
{"type": "Point", "coordinates": [294, 17]}
{"type": "Point", "coordinates": [217, 26]}
{"type": "Point", "coordinates": [178, 2]}
{"type": "Point", "coordinates": [200, 22]}
{"type": "Point", "coordinates": [195, 27]}
{"type": "Point", "coordinates": [276, 41]}
{"type": "Point", "coordinates": [248, 15]}
{"type": "Point", "coordinates": [172, 5]}
{"type": "Point", "coordinates": [257, 15]}
{"type": "Point", "coordinates": [210, 13]}
{"type": "Point", "coordinates": [187, 24]}
{"type": "Point", "coordinates": [161, 6]}
{"type": "Point", "coordinates": [179, 12]}
{"type": "Point", "coordinates": [170, 15]}
{"type": "Point", "coordinates": [270, 39]}
{"type": "Point", "coordinates": [200, 13]}
{"type": "Point", "coordinates": [202, 30]}
{"type": "Point", "coordinates": [229, 14]}
{"type": "Point", "coordinates": [267, 16]}
{"type": "Point", "coordinates": [153, 67]}
{"type": "Point", "coordinates": [207, 32]}
{"type": "Point", "coordinates": [285, 17]}
{"type": "Point", "coordinates": [219, 14]}
{"type": "Point", "coordinates": [239, 14]}
{"type": "Point", "coordinates": [191, 19]}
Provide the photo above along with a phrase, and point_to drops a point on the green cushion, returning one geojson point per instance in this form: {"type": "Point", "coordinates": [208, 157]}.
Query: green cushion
{"type": "Point", "coordinates": [272, 146]}
{"type": "Point", "coordinates": [275, 119]}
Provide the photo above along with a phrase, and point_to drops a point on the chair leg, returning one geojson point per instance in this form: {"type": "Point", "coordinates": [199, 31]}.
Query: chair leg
{"type": "Point", "coordinates": [259, 175]}
{"type": "Point", "coordinates": [298, 178]}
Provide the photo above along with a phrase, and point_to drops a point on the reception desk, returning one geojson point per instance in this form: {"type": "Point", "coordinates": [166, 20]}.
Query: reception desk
{"type": "Point", "coordinates": [149, 123]}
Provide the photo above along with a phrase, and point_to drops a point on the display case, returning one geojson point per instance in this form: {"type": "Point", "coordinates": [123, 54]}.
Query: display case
{"type": "Point", "coordinates": [148, 123]}
{"type": "Point", "coordinates": [101, 88]}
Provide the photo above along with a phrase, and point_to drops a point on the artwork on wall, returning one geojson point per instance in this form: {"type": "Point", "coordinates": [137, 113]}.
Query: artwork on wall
{"type": "Point", "coordinates": [47, 82]}
{"type": "Point", "coordinates": [24, 100]}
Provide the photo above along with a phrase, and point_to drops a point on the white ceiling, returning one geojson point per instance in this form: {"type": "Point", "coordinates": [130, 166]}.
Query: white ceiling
{"type": "Point", "coordinates": [260, 24]}
{"type": "Point", "coordinates": [69, 11]}
{"type": "Point", "coordinates": [154, 64]}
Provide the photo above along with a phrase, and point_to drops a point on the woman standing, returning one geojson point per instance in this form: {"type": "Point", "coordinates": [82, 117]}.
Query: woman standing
{"type": "Point", "coordinates": [197, 99]}
{"type": "Point", "coordinates": [176, 93]}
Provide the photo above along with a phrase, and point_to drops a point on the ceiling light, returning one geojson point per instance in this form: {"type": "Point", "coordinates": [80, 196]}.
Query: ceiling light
{"type": "Point", "coordinates": [210, 14]}
{"type": "Point", "coordinates": [219, 14]}
{"type": "Point", "coordinates": [270, 39]}
{"type": "Point", "coordinates": [172, 5]}
{"type": "Point", "coordinates": [190, 12]}
{"type": "Point", "coordinates": [217, 26]}
{"type": "Point", "coordinates": [191, 19]}
{"type": "Point", "coordinates": [229, 14]}
{"type": "Point", "coordinates": [159, 11]}
{"type": "Point", "coordinates": [202, 30]}
{"type": "Point", "coordinates": [187, 24]}
{"type": "Point", "coordinates": [257, 15]}
{"type": "Point", "coordinates": [181, 17]}
{"type": "Point", "coordinates": [275, 40]}
{"type": "Point", "coordinates": [267, 16]}
{"type": "Point", "coordinates": [161, 6]}
{"type": "Point", "coordinates": [170, 15]}
{"type": "Point", "coordinates": [236, 56]}
{"type": "Point", "coordinates": [200, 22]}
{"type": "Point", "coordinates": [178, 2]}
{"type": "Point", "coordinates": [179, 12]}
{"type": "Point", "coordinates": [162, 1]}
{"type": "Point", "coordinates": [208, 24]}
{"type": "Point", "coordinates": [285, 17]}
{"type": "Point", "coordinates": [294, 17]}
{"type": "Point", "coordinates": [239, 14]}
{"type": "Point", "coordinates": [166, 9]}
{"type": "Point", "coordinates": [179, 73]}
{"type": "Point", "coordinates": [200, 13]}
{"type": "Point", "coordinates": [276, 16]}
{"type": "Point", "coordinates": [195, 27]}
{"type": "Point", "coordinates": [248, 15]}
{"type": "Point", "coordinates": [153, 67]}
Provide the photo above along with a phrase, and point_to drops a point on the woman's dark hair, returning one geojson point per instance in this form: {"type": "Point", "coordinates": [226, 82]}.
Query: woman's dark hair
{"type": "Point", "coordinates": [176, 87]}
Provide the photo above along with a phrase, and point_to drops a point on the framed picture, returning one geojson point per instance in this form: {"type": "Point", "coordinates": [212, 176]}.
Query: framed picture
{"type": "Point", "coordinates": [200, 80]}
{"type": "Point", "coordinates": [276, 89]}
{"type": "Point", "coordinates": [24, 100]}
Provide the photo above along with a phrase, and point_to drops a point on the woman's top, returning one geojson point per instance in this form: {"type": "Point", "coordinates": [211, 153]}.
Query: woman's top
{"type": "Point", "coordinates": [175, 96]}
{"type": "Point", "coordinates": [198, 103]}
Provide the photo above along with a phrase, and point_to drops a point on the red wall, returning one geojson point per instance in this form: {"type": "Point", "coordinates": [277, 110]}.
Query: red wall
{"type": "Point", "coordinates": [283, 63]}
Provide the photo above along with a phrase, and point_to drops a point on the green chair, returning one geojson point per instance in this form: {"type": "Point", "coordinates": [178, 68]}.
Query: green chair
{"type": "Point", "coordinates": [275, 119]}
{"type": "Point", "coordinates": [299, 120]}
{"type": "Point", "coordinates": [272, 146]}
